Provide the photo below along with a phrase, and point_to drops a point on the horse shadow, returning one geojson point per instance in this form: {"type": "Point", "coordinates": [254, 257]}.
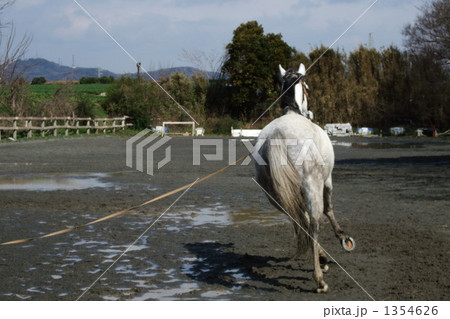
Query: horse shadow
{"type": "Point", "coordinates": [218, 264]}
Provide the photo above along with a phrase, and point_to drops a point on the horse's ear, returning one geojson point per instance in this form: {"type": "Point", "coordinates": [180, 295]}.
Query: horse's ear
{"type": "Point", "coordinates": [282, 71]}
{"type": "Point", "coordinates": [302, 69]}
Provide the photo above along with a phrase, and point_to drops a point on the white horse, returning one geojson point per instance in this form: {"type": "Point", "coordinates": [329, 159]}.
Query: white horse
{"type": "Point", "coordinates": [294, 160]}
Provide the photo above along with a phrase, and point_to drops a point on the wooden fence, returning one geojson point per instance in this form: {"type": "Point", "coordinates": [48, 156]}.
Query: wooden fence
{"type": "Point", "coordinates": [54, 125]}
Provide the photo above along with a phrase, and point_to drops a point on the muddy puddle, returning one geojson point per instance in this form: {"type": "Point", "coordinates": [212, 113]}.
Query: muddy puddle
{"type": "Point", "coordinates": [55, 182]}
{"type": "Point", "coordinates": [138, 271]}
{"type": "Point", "coordinates": [219, 215]}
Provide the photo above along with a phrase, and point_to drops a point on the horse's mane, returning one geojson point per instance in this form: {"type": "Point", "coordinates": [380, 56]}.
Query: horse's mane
{"type": "Point", "coordinates": [288, 92]}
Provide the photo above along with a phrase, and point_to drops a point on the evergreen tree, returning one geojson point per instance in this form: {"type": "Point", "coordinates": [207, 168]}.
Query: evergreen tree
{"type": "Point", "coordinates": [363, 77]}
{"type": "Point", "coordinates": [251, 64]}
{"type": "Point", "coordinates": [395, 87]}
{"type": "Point", "coordinates": [326, 80]}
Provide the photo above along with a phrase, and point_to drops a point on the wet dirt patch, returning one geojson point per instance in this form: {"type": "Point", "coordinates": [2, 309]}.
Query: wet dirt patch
{"type": "Point", "coordinates": [46, 182]}
{"type": "Point", "coordinates": [222, 240]}
{"type": "Point", "coordinates": [377, 145]}
{"type": "Point", "coordinates": [385, 145]}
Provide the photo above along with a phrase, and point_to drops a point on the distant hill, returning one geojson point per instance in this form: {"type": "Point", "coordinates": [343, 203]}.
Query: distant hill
{"type": "Point", "coordinates": [55, 72]}
{"type": "Point", "coordinates": [187, 70]}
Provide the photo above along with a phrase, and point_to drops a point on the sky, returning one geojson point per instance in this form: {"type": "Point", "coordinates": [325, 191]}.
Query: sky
{"type": "Point", "coordinates": [170, 33]}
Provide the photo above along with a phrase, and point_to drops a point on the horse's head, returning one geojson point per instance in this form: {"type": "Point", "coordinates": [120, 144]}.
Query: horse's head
{"type": "Point", "coordinates": [294, 91]}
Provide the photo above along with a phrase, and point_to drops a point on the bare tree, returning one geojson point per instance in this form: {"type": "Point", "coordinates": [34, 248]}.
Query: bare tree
{"type": "Point", "coordinates": [430, 34]}
{"type": "Point", "coordinates": [60, 104]}
{"type": "Point", "coordinates": [209, 64]}
{"type": "Point", "coordinates": [12, 51]}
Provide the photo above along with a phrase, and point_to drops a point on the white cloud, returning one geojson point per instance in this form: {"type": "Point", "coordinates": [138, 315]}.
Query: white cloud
{"type": "Point", "coordinates": [75, 23]}
{"type": "Point", "coordinates": [157, 31]}
{"type": "Point", "coordinates": [325, 21]}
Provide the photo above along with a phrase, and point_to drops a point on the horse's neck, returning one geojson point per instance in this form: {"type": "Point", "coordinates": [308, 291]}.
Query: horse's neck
{"type": "Point", "coordinates": [294, 107]}
{"type": "Point", "coordinates": [296, 100]}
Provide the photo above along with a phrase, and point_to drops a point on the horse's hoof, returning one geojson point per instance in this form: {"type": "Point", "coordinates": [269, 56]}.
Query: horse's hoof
{"type": "Point", "coordinates": [323, 289]}
{"type": "Point", "coordinates": [348, 244]}
{"type": "Point", "coordinates": [324, 268]}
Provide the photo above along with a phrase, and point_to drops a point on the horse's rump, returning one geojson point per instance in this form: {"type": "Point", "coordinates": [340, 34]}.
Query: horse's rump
{"type": "Point", "coordinates": [286, 189]}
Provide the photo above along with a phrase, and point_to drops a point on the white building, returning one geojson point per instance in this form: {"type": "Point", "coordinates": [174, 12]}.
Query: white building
{"type": "Point", "coordinates": [339, 129]}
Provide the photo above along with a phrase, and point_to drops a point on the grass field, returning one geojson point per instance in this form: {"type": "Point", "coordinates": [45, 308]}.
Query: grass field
{"type": "Point", "coordinates": [49, 90]}
{"type": "Point", "coordinates": [40, 93]}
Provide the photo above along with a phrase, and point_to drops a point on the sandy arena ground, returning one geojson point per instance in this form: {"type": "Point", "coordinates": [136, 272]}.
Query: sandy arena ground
{"type": "Point", "coordinates": [221, 240]}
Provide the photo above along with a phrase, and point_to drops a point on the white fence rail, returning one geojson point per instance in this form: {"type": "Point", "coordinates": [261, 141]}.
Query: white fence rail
{"type": "Point", "coordinates": [55, 125]}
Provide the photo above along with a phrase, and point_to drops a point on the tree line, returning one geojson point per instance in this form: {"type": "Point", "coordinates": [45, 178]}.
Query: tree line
{"type": "Point", "coordinates": [366, 87]}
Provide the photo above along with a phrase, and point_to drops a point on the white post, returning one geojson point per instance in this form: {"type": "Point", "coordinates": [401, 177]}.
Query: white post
{"type": "Point", "coordinates": [42, 127]}
{"type": "Point", "coordinates": [28, 124]}
{"type": "Point", "coordinates": [66, 125]}
{"type": "Point", "coordinates": [88, 126]}
{"type": "Point", "coordinates": [15, 127]}
{"type": "Point", "coordinates": [55, 128]}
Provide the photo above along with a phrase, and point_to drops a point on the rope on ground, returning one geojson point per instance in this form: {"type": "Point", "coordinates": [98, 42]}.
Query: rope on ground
{"type": "Point", "coordinates": [124, 211]}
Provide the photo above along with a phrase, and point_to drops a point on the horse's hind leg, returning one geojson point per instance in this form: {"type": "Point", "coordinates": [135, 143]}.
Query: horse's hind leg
{"type": "Point", "coordinates": [318, 271]}
{"type": "Point", "coordinates": [323, 260]}
{"type": "Point", "coordinates": [313, 193]}
{"type": "Point", "coordinates": [346, 241]}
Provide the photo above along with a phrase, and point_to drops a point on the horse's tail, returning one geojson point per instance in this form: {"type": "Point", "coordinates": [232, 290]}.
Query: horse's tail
{"type": "Point", "coordinates": [287, 187]}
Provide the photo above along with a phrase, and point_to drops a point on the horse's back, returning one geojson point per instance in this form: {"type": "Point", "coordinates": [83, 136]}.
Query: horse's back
{"type": "Point", "coordinates": [295, 126]}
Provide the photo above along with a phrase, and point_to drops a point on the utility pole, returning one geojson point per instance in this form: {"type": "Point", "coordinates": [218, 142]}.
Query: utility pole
{"type": "Point", "coordinates": [138, 65]}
